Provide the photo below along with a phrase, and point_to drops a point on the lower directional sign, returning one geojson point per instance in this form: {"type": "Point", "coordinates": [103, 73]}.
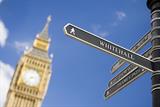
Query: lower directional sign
{"type": "Point", "coordinates": [125, 77]}
{"type": "Point", "coordinates": [107, 46]}
{"type": "Point", "coordinates": [124, 82]}
{"type": "Point", "coordinates": [128, 70]}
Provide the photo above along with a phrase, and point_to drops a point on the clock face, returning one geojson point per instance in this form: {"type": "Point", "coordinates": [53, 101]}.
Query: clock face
{"type": "Point", "coordinates": [31, 77]}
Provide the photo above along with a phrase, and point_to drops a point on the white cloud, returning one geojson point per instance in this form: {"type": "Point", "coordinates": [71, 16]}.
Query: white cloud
{"type": "Point", "coordinates": [120, 15]}
{"type": "Point", "coordinates": [21, 46]}
{"type": "Point", "coordinates": [1, 1]}
{"type": "Point", "coordinates": [98, 29]}
{"type": "Point", "coordinates": [3, 33]}
{"type": "Point", "coordinates": [6, 72]}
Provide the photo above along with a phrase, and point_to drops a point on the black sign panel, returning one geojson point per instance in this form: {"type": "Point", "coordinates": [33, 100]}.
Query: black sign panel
{"type": "Point", "coordinates": [107, 46]}
{"type": "Point", "coordinates": [127, 70]}
{"type": "Point", "coordinates": [124, 82]}
{"type": "Point", "coordinates": [122, 74]}
{"type": "Point", "coordinates": [143, 41]}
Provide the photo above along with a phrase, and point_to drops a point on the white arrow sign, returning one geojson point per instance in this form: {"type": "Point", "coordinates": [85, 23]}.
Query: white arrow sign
{"type": "Point", "coordinates": [108, 47]}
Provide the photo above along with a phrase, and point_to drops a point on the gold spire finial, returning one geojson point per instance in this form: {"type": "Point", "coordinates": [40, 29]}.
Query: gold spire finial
{"type": "Point", "coordinates": [49, 19]}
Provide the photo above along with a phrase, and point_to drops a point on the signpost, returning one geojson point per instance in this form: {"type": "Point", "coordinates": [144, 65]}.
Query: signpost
{"type": "Point", "coordinates": [143, 41]}
{"type": "Point", "coordinates": [139, 64]}
{"type": "Point", "coordinates": [124, 78]}
{"type": "Point", "coordinates": [124, 82]}
{"type": "Point", "coordinates": [127, 71]}
{"type": "Point", "coordinates": [154, 6]}
{"type": "Point", "coordinates": [107, 46]}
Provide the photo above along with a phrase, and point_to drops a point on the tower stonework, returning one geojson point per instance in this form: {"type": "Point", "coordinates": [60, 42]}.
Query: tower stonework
{"type": "Point", "coordinates": [32, 75]}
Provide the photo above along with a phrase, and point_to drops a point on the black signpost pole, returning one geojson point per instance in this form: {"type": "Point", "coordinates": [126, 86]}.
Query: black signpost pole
{"type": "Point", "coordinates": [154, 6]}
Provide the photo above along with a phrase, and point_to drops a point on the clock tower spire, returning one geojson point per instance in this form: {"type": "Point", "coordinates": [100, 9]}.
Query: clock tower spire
{"type": "Point", "coordinates": [33, 71]}
{"type": "Point", "coordinates": [44, 33]}
{"type": "Point", "coordinates": [42, 40]}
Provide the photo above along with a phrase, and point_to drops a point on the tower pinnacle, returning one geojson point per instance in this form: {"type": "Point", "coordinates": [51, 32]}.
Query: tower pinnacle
{"type": "Point", "coordinates": [44, 34]}
{"type": "Point", "coordinates": [42, 40]}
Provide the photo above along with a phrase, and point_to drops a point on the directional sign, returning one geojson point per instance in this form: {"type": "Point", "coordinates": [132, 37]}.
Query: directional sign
{"type": "Point", "coordinates": [143, 41]}
{"type": "Point", "coordinates": [107, 46]}
{"type": "Point", "coordinates": [127, 71]}
{"type": "Point", "coordinates": [124, 82]}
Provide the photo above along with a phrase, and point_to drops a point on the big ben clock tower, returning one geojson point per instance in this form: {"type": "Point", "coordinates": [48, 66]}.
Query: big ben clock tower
{"type": "Point", "coordinates": [33, 71]}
